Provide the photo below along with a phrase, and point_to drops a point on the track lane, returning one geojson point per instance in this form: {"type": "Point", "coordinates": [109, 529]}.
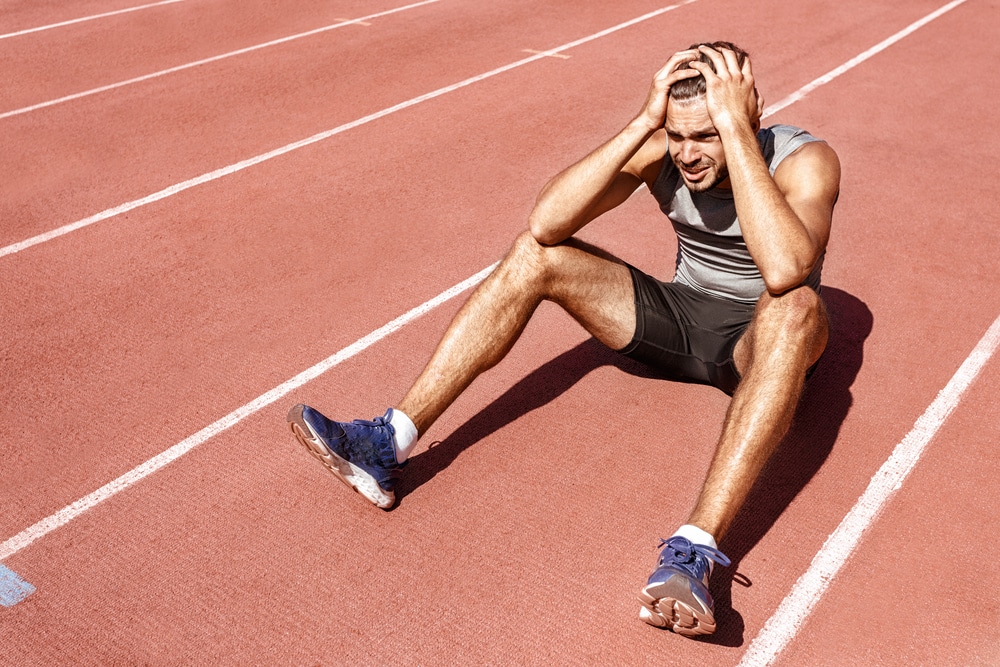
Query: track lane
{"type": "Point", "coordinates": [78, 57]}
{"type": "Point", "coordinates": [337, 24]}
{"type": "Point", "coordinates": [23, 17]}
{"type": "Point", "coordinates": [484, 456]}
{"type": "Point", "coordinates": [925, 601]}
{"type": "Point", "coordinates": [60, 165]}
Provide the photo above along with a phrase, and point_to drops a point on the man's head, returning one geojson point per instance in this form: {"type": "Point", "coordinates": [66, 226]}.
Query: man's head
{"type": "Point", "coordinates": [689, 89]}
{"type": "Point", "coordinates": [692, 140]}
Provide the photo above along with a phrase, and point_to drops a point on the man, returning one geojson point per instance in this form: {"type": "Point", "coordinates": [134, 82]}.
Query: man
{"type": "Point", "coordinates": [752, 210]}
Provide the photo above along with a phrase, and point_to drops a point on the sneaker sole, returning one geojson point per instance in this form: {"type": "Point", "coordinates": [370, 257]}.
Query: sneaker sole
{"type": "Point", "coordinates": [348, 473]}
{"type": "Point", "coordinates": [672, 605]}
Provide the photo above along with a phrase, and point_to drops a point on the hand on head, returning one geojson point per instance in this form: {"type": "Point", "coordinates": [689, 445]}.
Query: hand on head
{"type": "Point", "coordinates": [654, 112]}
{"type": "Point", "coordinates": [730, 95]}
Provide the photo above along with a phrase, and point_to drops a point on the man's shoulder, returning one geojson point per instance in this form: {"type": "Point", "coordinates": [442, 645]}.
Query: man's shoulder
{"type": "Point", "coordinates": [777, 142]}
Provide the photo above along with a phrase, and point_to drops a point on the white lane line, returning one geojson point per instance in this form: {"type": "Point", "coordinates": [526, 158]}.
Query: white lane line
{"type": "Point", "coordinates": [857, 60]}
{"type": "Point", "coordinates": [197, 63]}
{"type": "Point", "coordinates": [70, 512]}
{"type": "Point", "coordinates": [240, 166]}
{"type": "Point", "coordinates": [28, 31]}
{"type": "Point", "coordinates": [796, 607]}
{"type": "Point", "coordinates": [563, 56]}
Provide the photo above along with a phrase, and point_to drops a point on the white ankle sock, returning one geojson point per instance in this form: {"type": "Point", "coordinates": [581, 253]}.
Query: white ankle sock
{"type": "Point", "coordinates": [696, 535]}
{"type": "Point", "coordinates": [406, 434]}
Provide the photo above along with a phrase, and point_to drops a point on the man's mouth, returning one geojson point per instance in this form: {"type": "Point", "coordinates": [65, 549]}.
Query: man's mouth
{"type": "Point", "coordinates": [695, 172]}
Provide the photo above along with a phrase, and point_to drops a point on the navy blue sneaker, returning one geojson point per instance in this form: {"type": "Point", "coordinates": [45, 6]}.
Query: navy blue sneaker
{"type": "Point", "coordinates": [361, 454]}
{"type": "Point", "coordinates": [676, 595]}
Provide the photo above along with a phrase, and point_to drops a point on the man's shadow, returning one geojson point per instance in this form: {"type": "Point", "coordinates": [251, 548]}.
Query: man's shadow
{"type": "Point", "coordinates": [823, 408]}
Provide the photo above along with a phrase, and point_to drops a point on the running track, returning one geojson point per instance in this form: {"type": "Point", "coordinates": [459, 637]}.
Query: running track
{"type": "Point", "coordinates": [518, 539]}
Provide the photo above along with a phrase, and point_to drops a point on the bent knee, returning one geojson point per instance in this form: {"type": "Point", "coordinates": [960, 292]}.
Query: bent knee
{"type": "Point", "coordinates": [535, 260]}
{"type": "Point", "coordinates": [796, 312]}
{"type": "Point", "coordinates": [527, 260]}
{"type": "Point", "coordinates": [525, 245]}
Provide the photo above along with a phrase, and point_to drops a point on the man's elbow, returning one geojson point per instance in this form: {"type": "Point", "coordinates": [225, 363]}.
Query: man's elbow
{"type": "Point", "coordinates": [542, 232]}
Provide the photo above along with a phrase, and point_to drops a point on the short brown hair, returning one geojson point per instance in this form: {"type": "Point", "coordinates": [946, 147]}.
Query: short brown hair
{"type": "Point", "coordinates": [688, 89]}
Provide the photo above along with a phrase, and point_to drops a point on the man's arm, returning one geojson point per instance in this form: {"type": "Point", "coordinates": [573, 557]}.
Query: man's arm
{"type": "Point", "coordinates": [786, 219]}
{"type": "Point", "coordinates": [609, 175]}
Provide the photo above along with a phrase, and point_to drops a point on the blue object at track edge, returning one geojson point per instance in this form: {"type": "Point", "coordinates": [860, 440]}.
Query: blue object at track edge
{"type": "Point", "coordinates": [13, 588]}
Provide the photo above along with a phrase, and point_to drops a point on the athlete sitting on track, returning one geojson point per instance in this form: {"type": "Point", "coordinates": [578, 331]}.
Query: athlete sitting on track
{"type": "Point", "coordinates": [752, 210]}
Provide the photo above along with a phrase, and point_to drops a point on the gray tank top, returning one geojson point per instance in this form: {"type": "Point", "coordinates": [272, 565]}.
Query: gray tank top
{"type": "Point", "coordinates": [711, 254]}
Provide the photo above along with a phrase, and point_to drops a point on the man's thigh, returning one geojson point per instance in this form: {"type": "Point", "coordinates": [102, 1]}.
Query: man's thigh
{"type": "Point", "coordinates": [594, 287]}
{"type": "Point", "coordinates": [686, 335]}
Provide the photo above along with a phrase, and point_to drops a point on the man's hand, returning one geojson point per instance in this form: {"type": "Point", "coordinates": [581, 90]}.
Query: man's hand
{"type": "Point", "coordinates": [730, 93]}
{"type": "Point", "coordinates": [654, 113]}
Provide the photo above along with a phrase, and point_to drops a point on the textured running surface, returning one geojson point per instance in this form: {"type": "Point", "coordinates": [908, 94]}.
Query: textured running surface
{"type": "Point", "coordinates": [130, 335]}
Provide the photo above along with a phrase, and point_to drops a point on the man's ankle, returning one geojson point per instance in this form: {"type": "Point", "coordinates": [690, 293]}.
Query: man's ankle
{"type": "Point", "coordinates": [406, 434]}
{"type": "Point", "coordinates": [696, 535]}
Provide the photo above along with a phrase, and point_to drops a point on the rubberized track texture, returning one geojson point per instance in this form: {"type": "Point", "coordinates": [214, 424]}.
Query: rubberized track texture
{"type": "Point", "coordinates": [214, 210]}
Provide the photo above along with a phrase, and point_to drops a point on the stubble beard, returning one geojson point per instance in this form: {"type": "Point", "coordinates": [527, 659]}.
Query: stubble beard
{"type": "Point", "coordinates": [721, 174]}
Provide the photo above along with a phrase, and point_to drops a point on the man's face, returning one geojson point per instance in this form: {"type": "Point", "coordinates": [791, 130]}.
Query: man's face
{"type": "Point", "coordinates": [694, 145]}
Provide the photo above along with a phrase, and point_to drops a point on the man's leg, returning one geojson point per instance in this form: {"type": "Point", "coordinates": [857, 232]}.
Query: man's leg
{"type": "Point", "coordinates": [787, 335]}
{"type": "Point", "coordinates": [594, 287]}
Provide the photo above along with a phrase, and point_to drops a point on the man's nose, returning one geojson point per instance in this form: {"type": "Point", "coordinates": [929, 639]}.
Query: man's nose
{"type": "Point", "coordinates": [689, 152]}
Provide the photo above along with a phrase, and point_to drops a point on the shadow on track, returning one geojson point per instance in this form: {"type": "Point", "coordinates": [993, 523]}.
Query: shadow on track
{"type": "Point", "coordinates": [541, 386]}
{"type": "Point", "coordinates": [824, 406]}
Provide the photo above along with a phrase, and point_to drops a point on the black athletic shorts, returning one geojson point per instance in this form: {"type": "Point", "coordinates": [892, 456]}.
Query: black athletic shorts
{"type": "Point", "coordinates": [685, 334]}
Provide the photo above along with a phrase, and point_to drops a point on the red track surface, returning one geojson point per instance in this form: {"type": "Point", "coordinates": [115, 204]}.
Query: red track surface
{"type": "Point", "coordinates": [517, 540]}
